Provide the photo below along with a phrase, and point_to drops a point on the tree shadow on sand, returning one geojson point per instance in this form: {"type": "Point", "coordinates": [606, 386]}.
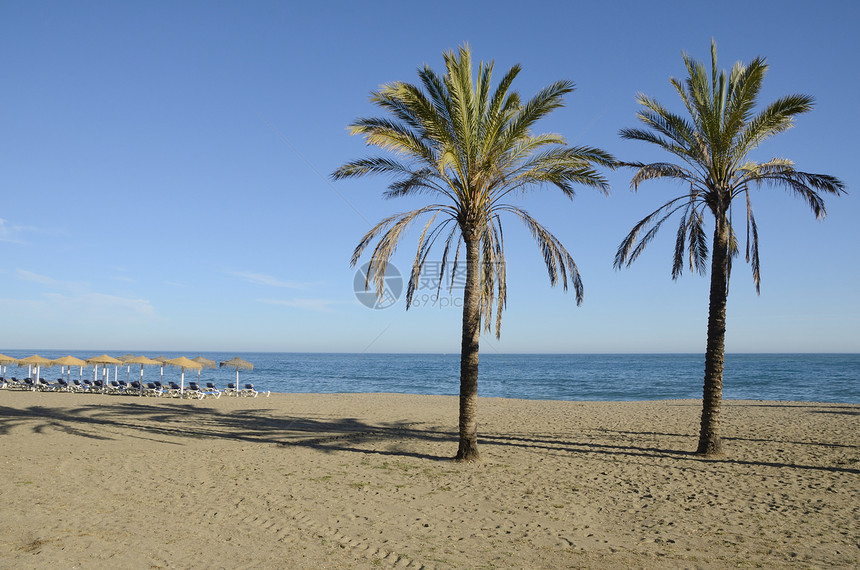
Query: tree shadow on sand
{"type": "Point", "coordinates": [173, 422]}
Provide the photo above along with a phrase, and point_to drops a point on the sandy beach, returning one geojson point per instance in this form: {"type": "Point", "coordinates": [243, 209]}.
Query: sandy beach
{"type": "Point", "coordinates": [364, 481]}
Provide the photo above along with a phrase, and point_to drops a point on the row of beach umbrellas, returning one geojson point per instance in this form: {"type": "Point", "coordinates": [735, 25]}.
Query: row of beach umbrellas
{"type": "Point", "coordinates": [183, 363]}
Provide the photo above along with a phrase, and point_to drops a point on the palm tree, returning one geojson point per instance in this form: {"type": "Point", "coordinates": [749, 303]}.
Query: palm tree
{"type": "Point", "coordinates": [468, 148]}
{"type": "Point", "coordinates": [713, 147]}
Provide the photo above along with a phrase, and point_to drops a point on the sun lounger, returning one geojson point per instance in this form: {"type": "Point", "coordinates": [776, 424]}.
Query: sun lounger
{"type": "Point", "coordinates": [173, 390]}
{"type": "Point", "coordinates": [45, 386]}
{"type": "Point", "coordinates": [249, 390]}
{"type": "Point", "coordinates": [16, 384]}
{"type": "Point", "coordinates": [231, 390]}
{"type": "Point", "coordinates": [211, 390]}
{"type": "Point", "coordinates": [193, 391]}
{"type": "Point", "coordinates": [63, 386]}
{"type": "Point", "coordinates": [151, 389]}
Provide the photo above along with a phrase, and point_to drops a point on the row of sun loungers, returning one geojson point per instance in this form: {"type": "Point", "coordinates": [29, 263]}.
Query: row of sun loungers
{"type": "Point", "coordinates": [134, 388]}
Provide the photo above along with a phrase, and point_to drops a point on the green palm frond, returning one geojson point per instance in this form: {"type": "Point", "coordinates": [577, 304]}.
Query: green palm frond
{"type": "Point", "coordinates": [691, 244]}
{"type": "Point", "coordinates": [752, 245]}
{"type": "Point", "coordinates": [560, 265]}
{"type": "Point", "coordinates": [375, 165]}
{"type": "Point", "coordinates": [469, 145]}
{"type": "Point", "coordinates": [714, 143]}
{"type": "Point", "coordinates": [629, 250]}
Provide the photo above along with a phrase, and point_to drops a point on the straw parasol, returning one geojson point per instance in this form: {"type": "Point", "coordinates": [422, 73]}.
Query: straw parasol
{"type": "Point", "coordinates": [205, 363]}
{"type": "Point", "coordinates": [162, 360]}
{"type": "Point", "coordinates": [185, 364]}
{"type": "Point", "coordinates": [124, 359]}
{"type": "Point", "coordinates": [4, 360]}
{"type": "Point", "coordinates": [38, 362]}
{"type": "Point", "coordinates": [142, 360]}
{"type": "Point", "coordinates": [71, 361]}
{"type": "Point", "coordinates": [237, 364]}
{"type": "Point", "coordinates": [104, 360]}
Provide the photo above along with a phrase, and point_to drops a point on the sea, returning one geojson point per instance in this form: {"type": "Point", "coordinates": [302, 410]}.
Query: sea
{"type": "Point", "coordinates": [596, 377]}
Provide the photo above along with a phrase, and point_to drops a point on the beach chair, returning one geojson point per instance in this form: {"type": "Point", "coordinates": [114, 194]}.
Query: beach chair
{"type": "Point", "coordinates": [211, 390]}
{"type": "Point", "coordinates": [152, 390]}
{"type": "Point", "coordinates": [62, 385]}
{"type": "Point", "coordinates": [249, 390]}
{"type": "Point", "coordinates": [98, 386]}
{"type": "Point", "coordinates": [15, 384]}
{"type": "Point", "coordinates": [193, 391]}
{"type": "Point", "coordinates": [231, 390]}
{"type": "Point", "coordinates": [135, 388]}
{"type": "Point", "coordinates": [44, 386]}
{"type": "Point", "coordinates": [123, 387]}
{"type": "Point", "coordinates": [29, 384]}
{"type": "Point", "coordinates": [112, 387]}
{"type": "Point", "coordinates": [173, 390]}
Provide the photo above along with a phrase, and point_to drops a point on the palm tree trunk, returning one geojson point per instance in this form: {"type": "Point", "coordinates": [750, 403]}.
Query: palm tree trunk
{"type": "Point", "coordinates": [468, 450]}
{"type": "Point", "coordinates": [710, 443]}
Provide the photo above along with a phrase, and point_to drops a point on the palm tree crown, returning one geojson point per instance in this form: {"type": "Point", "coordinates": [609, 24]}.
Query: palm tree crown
{"type": "Point", "coordinates": [470, 149]}
{"type": "Point", "coordinates": [713, 146]}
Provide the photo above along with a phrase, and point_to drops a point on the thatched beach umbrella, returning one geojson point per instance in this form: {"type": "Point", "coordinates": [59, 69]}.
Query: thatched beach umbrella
{"type": "Point", "coordinates": [163, 360]}
{"type": "Point", "coordinates": [104, 360]}
{"type": "Point", "coordinates": [124, 359]}
{"type": "Point", "coordinates": [4, 360]}
{"type": "Point", "coordinates": [142, 360]}
{"type": "Point", "coordinates": [237, 364]}
{"type": "Point", "coordinates": [185, 364]}
{"type": "Point", "coordinates": [205, 363]}
{"type": "Point", "coordinates": [38, 362]}
{"type": "Point", "coordinates": [71, 361]}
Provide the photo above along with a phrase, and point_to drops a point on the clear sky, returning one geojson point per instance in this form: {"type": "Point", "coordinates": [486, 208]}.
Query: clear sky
{"type": "Point", "coordinates": [165, 174]}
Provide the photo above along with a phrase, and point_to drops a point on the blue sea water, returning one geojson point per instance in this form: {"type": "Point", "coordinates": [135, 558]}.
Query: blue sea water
{"type": "Point", "coordinates": [607, 377]}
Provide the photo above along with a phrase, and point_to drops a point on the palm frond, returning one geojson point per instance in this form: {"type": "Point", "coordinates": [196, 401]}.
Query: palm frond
{"type": "Point", "coordinates": [714, 141]}
{"type": "Point", "coordinates": [698, 252]}
{"type": "Point", "coordinates": [752, 246]}
{"type": "Point", "coordinates": [680, 247]}
{"type": "Point", "coordinates": [659, 170]}
{"type": "Point", "coordinates": [469, 145]}
{"type": "Point", "coordinates": [805, 185]}
{"type": "Point", "coordinates": [629, 250]}
{"type": "Point", "coordinates": [559, 263]}
{"type": "Point", "coordinates": [776, 118]}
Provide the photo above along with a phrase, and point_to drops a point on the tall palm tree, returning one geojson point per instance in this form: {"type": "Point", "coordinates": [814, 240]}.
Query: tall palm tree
{"type": "Point", "coordinates": [469, 149]}
{"type": "Point", "coordinates": [713, 146]}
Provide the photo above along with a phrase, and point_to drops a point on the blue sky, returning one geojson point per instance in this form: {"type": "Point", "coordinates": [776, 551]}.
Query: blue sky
{"type": "Point", "coordinates": [165, 167]}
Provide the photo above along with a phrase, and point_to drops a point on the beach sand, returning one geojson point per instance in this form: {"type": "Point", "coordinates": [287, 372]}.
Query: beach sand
{"type": "Point", "coordinates": [364, 481]}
